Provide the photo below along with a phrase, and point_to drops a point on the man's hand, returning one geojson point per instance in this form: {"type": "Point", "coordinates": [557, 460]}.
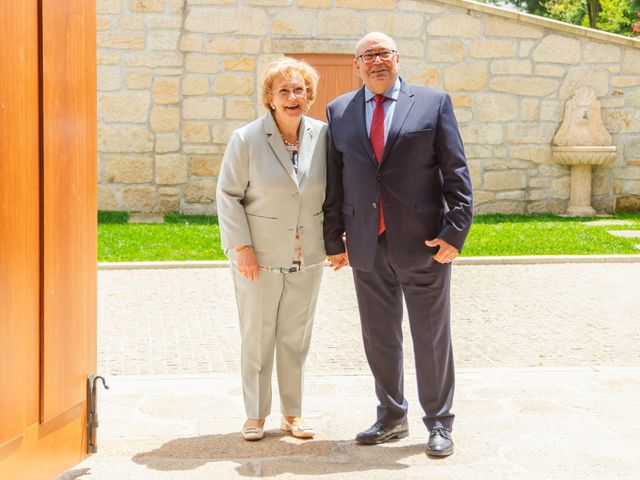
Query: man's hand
{"type": "Point", "coordinates": [446, 253]}
{"type": "Point", "coordinates": [247, 263]}
{"type": "Point", "coordinates": [338, 261]}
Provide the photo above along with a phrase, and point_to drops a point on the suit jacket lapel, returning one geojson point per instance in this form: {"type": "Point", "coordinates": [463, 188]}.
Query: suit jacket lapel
{"type": "Point", "coordinates": [360, 123]}
{"type": "Point", "coordinates": [277, 145]}
{"type": "Point", "coordinates": [308, 139]}
{"type": "Point", "coordinates": [403, 106]}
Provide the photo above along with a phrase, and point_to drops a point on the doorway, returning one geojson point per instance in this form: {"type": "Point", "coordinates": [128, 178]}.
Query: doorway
{"type": "Point", "coordinates": [337, 76]}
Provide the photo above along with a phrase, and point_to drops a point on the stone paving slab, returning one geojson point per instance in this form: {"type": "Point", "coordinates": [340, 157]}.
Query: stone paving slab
{"type": "Point", "coordinates": [625, 233]}
{"type": "Point", "coordinates": [184, 321]}
{"type": "Point", "coordinates": [146, 218]}
{"type": "Point", "coordinates": [578, 423]}
{"type": "Point", "coordinates": [604, 223]}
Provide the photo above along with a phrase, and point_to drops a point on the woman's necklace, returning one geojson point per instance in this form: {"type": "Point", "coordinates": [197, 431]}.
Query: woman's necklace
{"type": "Point", "coordinates": [293, 148]}
{"type": "Point", "coordinates": [288, 144]}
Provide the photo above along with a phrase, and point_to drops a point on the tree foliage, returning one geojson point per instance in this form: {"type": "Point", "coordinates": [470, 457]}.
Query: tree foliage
{"type": "Point", "coordinates": [615, 16]}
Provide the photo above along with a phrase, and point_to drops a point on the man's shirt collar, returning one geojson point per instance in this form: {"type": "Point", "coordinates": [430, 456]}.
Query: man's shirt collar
{"type": "Point", "coordinates": [391, 92]}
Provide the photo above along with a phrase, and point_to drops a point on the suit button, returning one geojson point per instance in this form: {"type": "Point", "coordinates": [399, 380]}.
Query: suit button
{"type": "Point", "coordinates": [374, 205]}
{"type": "Point", "coordinates": [296, 194]}
{"type": "Point", "coordinates": [378, 177]}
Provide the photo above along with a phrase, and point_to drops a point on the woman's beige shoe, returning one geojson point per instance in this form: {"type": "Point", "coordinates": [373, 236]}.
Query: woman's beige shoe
{"type": "Point", "coordinates": [297, 428]}
{"type": "Point", "coordinates": [253, 432]}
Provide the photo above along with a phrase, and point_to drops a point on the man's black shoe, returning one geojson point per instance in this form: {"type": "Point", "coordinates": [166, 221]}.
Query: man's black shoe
{"type": "Point", "coordinates": [440, 443]}
{"type": "Point", "coordinates": [378, 433]}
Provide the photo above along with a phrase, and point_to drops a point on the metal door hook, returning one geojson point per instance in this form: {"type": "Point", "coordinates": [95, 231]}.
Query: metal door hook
{"type": "Point", "coordinates": [92, 411]}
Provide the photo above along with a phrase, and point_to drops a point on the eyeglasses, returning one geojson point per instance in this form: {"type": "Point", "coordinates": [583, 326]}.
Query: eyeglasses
{"type": "Point", "coordinates": [286, 92]}
{"type": "Point", "coordinates": [385, 56]}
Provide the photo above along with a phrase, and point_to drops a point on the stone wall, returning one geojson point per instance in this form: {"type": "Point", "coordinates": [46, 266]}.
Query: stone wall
{"type": "Point", "coordinates": [176, 77]}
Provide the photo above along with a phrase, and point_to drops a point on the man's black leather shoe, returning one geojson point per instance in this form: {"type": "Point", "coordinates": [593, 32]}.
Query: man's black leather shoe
{"type": "Point", "coordinates": [378, 433]}
{"type": "Point", "coordinates": [440, 443]}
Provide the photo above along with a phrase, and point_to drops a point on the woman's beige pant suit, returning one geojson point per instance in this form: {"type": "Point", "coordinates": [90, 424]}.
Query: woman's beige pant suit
{"type": "Point", "coordinates": [262, 202]}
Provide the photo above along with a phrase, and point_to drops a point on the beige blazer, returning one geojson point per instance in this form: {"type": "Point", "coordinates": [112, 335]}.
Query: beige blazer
{"type": "Point", "coordinates": [260, 199]}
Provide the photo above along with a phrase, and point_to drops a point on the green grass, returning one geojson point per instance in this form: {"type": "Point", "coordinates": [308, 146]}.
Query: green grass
{"type": "Point", "coordinates": [181, 237]}
{"type": "Point", "coordinates": [112, 217]}
{"type": "Point", "coordinates": [184, 237]}
{"type": "Point", "coordinates": [547, 235]}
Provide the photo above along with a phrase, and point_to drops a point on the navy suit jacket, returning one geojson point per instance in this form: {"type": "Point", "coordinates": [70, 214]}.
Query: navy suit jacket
{"type": "Point", "coordinates": [422, 180]}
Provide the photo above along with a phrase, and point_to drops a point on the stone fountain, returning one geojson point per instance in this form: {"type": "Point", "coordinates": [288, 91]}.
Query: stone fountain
{"type": "Point", "coordinates": [582, 141]}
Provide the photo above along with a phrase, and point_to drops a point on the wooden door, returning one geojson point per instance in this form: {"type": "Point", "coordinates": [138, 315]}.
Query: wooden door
{"type": "Point", "coordinates": [47, 234]}
{"type": "Point", "coordinates": [19, 221]}
{"type": "Point", "coordinates": [337, 76]}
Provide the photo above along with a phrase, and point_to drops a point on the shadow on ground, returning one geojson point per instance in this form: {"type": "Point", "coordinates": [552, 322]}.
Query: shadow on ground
{"type": "Point", "coordinates": [276, 454]}
{"type": "Point", "coordinates": [75, 473]}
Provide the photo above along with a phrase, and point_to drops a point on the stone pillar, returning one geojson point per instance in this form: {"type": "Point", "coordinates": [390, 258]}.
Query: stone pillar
{"type": "Point", "coordinates": [580, 200]}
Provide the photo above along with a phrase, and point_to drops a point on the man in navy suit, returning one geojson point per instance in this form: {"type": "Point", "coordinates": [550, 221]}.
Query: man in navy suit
{"type": "Point", "coordinates": [398, 209]}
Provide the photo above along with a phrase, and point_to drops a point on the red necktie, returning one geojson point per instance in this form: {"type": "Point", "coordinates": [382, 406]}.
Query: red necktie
{"type": "Point", "coordinates": [377, 142]}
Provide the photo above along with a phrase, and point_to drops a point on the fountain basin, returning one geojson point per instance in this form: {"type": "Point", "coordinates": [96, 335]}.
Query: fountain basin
{"type": "Point", "coordinates": [584, 155]}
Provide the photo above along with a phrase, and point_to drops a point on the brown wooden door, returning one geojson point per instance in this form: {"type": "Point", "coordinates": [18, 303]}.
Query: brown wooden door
{"type": "Point", "coordinates": [19, 221]}
{"type": "Point", "coordinates": [47, 234]}
{"type": "Point", "coordinates": [337, 76]}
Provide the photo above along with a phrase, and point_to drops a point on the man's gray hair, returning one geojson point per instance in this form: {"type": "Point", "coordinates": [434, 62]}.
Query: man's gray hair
{"type": "Point", "coordinates": [377, 35]}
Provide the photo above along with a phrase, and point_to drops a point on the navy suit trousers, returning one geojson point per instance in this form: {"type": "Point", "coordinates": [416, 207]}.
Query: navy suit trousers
{"type": "Point", "coordinates": [427, 295]}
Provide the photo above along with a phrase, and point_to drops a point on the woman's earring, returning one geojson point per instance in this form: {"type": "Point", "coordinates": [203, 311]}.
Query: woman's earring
{"type": "Point", "coordinates": [272, 107]}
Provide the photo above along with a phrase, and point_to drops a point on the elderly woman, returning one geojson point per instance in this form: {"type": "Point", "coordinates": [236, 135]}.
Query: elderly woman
{"type": "Point", "coordinates": [269, 197]}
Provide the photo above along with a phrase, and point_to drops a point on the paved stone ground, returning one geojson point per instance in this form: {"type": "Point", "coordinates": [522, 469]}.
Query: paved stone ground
{"type": "Point", "coordinates": [548, 381]}
{"type": "Point", "coordinates": [184, 321]}
{"type": "Point", "coordinates": [511, 424]}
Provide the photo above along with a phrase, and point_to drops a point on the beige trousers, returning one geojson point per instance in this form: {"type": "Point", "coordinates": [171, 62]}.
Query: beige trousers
{"type": "Point", "coordinates": [276, 313]}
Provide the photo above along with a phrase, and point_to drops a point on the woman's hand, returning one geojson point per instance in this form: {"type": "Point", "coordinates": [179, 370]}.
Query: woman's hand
{"type": "Point", "coordinates": [247, 263]}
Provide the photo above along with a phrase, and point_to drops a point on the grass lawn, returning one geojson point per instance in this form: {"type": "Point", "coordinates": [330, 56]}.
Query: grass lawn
{"type": "Point", "coordinates": [548, 235]}
{"type": "Point", "coordinates": [184, 237]}
{"type": "Point", "coordinates": [181, 237]}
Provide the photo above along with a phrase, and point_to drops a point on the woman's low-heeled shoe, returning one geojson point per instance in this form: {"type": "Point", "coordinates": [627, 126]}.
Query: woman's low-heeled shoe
{"type": "Point", "coordinates": [299, 430]}
{"type": "Point", "coordinates": [252, 433]}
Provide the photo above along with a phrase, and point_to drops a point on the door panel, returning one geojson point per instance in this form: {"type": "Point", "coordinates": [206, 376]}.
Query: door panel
{"type": "Point", "coordinates": [45, 451]}
{"type": "Point", "coordinates": [69, 202]}
{"type": "Point", "coordinates": [47, 233]}
{"type": "Point", "coordinates": [337, 76]}
{"type": "Point", "coordinates": [19, 219]}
